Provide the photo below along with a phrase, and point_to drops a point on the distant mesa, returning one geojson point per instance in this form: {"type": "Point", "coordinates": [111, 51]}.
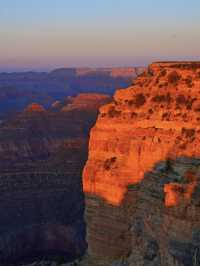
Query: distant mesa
{"type": "Point", "coordinates": [124, 72]}
{"type": "Point", "coordinates": [19, 89]}
{"type": "Point", "coordinates": [127, 72]}
{"type": "Point", "coordinates": [89, 98]}
{"type": "Point", "coordinates": [63, 72]}
{"type": "Point", "coordinates": [83, 101]}
{"type": "Point", "coordinates": [86, 101]}
{"type": "Point", "coordinates": [35, 108]}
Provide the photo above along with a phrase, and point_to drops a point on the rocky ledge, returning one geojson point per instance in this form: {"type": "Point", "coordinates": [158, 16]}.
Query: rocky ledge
{"type": "Point", "coordinates": [141, 180]}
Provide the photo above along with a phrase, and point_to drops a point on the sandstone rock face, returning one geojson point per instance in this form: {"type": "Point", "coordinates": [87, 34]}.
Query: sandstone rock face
{"type": "Point", "coordinates": [141, 179]}
{"type": "Point", "coordinates": [42, 155]}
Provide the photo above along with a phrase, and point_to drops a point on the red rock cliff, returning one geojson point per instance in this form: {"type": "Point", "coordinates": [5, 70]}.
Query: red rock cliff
{"type": "Point", "coordinates": [135, 155]}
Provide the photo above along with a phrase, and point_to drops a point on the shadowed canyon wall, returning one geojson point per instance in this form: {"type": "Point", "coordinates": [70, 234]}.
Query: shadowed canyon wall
{"type": "Point", "coordinates": [42, 154]}
{"type": "Point", "coordinates": [141, 179]}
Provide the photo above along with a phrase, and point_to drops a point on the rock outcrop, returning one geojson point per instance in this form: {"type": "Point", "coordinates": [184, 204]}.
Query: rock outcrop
{"type": "Point", "coordinates": [42, 154]}
{"type": "Point", "coordinates": [142, 177]}
{"type": "Point", "coordinates": [35, 108]}
{"type": "Point", "coordinates": [86, 101]}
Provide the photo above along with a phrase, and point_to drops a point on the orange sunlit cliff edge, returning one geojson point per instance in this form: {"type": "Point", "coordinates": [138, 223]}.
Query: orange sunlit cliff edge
{"type": "Point", "coordinates": [155, 119]}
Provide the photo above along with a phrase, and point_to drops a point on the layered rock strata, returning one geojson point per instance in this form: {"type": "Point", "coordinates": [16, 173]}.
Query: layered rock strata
{"type": "Point", "coordinates": [141, 179]}
{"type": "Point", "coordinates": [42, 154]}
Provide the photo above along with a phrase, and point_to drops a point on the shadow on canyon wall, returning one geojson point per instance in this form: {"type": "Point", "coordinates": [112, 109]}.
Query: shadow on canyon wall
{"type": "Point", "coordinates": [157, 223]}
{"type": "Point", "coordinates": [42, 154]}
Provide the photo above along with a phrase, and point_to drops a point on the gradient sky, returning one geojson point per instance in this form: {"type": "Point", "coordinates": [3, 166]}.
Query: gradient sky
{"type": "Point", "coordinates": [44, 34]}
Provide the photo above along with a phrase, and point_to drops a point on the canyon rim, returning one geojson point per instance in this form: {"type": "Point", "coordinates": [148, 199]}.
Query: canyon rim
{"type": "Point", "coordinates": [141, 180]}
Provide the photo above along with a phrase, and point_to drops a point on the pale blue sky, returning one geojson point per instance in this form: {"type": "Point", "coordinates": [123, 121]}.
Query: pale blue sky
{"type": "Point", "coordinates": [43, 34]}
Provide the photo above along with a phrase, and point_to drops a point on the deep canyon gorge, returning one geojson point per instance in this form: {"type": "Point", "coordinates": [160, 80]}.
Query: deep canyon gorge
{"type": "Point", "coordinates": [129, 197]}
{"type": "Point", "coordinates": [42, 153]}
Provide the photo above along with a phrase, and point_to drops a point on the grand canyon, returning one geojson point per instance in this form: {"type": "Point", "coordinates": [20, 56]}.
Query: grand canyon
{"type": "Point", "coordinates": [42, 153]}
{"type": "Point", "coordinates": [19, 89]}
{"type": "Point", "coordinates": [141, 179]}
{"type": "Point", "coordinates": [117, 189]}
{"type": "Point", "coordinates": [43, 149]}
{"type": "Point", "coordinates": [99, 133]}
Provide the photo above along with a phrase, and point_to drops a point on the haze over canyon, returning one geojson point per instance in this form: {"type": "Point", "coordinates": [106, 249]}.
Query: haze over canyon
{"type": "Point", "coordinates": [128, 197]}
{"type": "Point", "coordinates": [99, 133]}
